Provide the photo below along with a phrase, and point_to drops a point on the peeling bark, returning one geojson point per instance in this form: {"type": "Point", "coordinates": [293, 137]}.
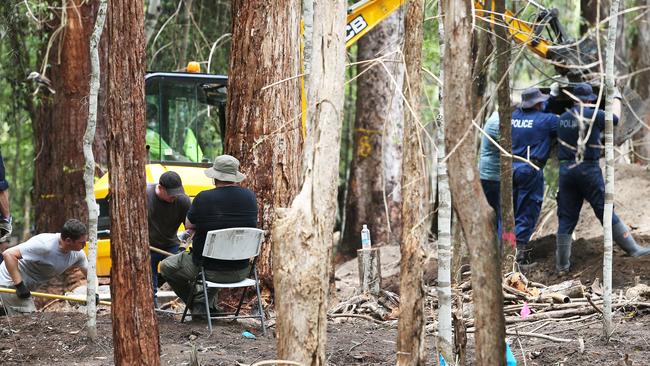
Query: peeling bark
{"type": "Point", "coordinates": [302, 235]}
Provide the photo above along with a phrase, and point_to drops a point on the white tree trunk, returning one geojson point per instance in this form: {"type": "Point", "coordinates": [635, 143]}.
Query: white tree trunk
{"type": "Point", "coordinates": [154, 9]}
{"type": "Point", "coordinates": [302, 235]}
{"type": "Point", "coordinates": [89, 169]}
{"type": "Point", "coordinates": [444, 338]}
{"type": "Point", "coordinates": [609, 171]}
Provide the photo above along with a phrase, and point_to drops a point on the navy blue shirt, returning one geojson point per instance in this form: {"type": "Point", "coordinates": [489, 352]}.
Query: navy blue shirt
{"type": "Point", "coordinates": [221, 208]}
{"type": "Point", "coordinates": [534, 129]}
{"type": "Point", "coordinates": [569, 130]}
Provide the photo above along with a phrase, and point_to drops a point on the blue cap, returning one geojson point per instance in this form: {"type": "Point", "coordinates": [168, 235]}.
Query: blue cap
{"type": "Point", "coordinates": [584, 92]}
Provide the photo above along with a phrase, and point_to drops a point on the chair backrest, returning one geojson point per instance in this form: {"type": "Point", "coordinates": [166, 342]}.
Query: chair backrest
{"type": "Point", "coordinates": [233, 244]}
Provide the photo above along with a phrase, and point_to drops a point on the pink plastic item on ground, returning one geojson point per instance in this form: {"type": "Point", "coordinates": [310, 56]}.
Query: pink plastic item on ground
{"type": "Point", "coordinates": [525, 311]}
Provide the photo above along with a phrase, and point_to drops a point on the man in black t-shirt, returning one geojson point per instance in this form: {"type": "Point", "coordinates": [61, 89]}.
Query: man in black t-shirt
{"type": "Point", "coordinates": [226, 206]}
{"type": "Point", "coordinates": [167, 206]}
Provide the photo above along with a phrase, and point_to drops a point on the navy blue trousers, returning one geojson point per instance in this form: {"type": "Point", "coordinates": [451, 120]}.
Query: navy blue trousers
{"type": "Point", "coordinates": [577, 184]}
{"type": "Point", "coordinates": [492, 191]}
{"type": "Point", "coordinates": [528, 194]}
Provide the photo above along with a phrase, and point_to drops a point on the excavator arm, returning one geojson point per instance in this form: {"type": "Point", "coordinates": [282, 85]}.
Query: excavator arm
{"type": "Point", "coordinates": [365, 15]}
{"type": "Point", "coordinates": [555, 45]}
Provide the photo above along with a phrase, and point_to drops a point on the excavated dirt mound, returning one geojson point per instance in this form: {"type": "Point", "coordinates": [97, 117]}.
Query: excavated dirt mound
{"type": "Point", "coordinates": [587, 263]}
{"type": "Point", "coordinates": [631, 199]}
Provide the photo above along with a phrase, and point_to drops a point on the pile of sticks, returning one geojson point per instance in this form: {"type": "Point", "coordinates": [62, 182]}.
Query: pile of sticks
{"type": "Point", "coordinates": [569, 301]}
{"type": "Point", "coordinates": [378, 309]}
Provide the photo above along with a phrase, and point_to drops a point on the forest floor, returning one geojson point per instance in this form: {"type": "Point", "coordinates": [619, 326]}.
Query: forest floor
{"type": "Point", "coordinates": [56, 337]}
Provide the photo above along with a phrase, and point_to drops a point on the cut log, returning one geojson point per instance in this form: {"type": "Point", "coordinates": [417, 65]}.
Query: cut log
{"type": "Point", "coordinates": [639, 291]}
{"type": "Point", "coordinates": [571, 288]}
{"type": "Point", "coordinates": [369, 271]}
{"type": "Point", "coordinates": [555, 297]}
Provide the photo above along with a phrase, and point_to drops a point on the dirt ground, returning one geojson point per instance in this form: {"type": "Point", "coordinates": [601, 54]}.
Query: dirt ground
{"type": "Point", "coordinates": [59, 339]}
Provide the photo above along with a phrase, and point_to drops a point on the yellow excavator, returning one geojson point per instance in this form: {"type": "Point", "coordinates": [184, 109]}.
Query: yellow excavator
{"type": "Point", "coordinates": [186, 111]}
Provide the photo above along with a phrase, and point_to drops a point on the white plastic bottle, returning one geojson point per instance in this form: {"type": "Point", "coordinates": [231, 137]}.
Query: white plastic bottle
{"type": "Point", "coordinates": [365, 237]}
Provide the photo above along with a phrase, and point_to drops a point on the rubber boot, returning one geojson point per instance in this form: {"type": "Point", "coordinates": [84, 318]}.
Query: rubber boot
{"type": "Point", "coordinates": [563, 253]}
{"type": "Point", "coordinates": [622, 236]}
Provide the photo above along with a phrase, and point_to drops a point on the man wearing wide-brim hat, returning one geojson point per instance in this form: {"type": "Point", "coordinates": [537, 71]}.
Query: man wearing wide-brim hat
{"type": "Point", "coordinates": [227, 205]}
{"type": "Point", "coordinates": [533, 131]}
{"type": "Point", "coordinates": [580, 176]}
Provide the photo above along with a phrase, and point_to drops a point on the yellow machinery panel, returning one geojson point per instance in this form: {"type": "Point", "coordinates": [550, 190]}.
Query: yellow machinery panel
{"type": "Point", "coordinates": [365, 15]}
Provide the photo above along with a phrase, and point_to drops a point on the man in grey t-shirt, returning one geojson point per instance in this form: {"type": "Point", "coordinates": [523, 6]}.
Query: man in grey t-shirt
{"type": "Point", "coordinates": [38, 260]}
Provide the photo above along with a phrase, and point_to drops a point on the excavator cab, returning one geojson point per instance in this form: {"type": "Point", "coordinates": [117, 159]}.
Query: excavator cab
{"type": "Point", "coordinates": [185, 117]}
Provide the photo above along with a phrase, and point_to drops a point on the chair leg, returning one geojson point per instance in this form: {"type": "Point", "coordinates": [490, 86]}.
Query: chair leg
{"type": "Point", "coordinates": [259, 302]}
{"type": "Point", "coordinates": [189, 300]}
{"type": "Point", "coordinates": [207, 303]}
{"type": "Point", "coordinates": [241, 300]}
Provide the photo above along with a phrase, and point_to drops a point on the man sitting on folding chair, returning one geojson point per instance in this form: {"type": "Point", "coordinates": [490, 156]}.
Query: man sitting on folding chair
{"type": "Point", "coordinates": [226, 206]}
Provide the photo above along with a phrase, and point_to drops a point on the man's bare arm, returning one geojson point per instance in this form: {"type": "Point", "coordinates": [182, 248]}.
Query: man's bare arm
{"type": "Point", "coordinates": [189, 225]}
{"type": "Point", "coordinates": [11, 257]}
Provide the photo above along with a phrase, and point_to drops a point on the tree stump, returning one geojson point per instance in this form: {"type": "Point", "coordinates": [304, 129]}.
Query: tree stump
{"type": "Point", "coordinates": [369, 271]}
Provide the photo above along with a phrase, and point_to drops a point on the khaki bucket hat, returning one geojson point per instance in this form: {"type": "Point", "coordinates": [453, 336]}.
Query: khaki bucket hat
{"type": "Point", "coordinates": [225, 168]}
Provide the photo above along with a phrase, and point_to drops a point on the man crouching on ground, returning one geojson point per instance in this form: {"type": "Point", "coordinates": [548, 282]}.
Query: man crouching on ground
{"type": "Point", "coordinates": [38, 260]}
{"type": "Point", "coordinates": [226, 206]}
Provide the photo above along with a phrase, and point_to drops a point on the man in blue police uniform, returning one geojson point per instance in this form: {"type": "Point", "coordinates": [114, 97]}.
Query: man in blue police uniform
{"type": "Point", "coordinates": [581, 179]}
{"type": "Point", "coordinates": [533, 130]}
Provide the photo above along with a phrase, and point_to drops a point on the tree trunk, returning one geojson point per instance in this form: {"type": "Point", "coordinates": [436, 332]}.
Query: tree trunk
{"type": "Point", "coordinates": [415, 199]}
{"type": "Point", "coordinates": [467, 197]}
{"type": "Point", "coordinates": [374, 194]}
{"type": "Point", "coordinates": [61, 122]}
{"type": "Point", "coordinates": [135, 331]}
{"type": "Point", "coordinates": [59, 128]}
{"type": "Point", "coordinates": [444, 340]}
{"type": "Point", "coordinates": [264, 129]}
{"type": "Point", "coordinates": [305, 230]}
{"type": "Point", "coordinates": [483, 48]}
{"type": "Point", "coordinates": [505, 133]}
{"type": "Point", "coordinates": [89, 171]}
{"type": "Point", "coordinates": [610, 48]}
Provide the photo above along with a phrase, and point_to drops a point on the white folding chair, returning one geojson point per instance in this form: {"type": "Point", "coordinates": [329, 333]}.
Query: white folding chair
{"type": "Point", "coordinates": [231, 244]}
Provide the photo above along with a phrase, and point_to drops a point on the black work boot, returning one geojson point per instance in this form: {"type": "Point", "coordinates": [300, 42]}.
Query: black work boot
{"type": "Point", "coordinates": [623, 238]}
{"type": "Point", "coordinates": [525, 256]}
{"type": "Point", "coordinates": [563, 253]}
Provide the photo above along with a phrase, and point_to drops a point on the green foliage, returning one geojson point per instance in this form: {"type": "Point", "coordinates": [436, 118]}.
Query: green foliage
{"type": "Point", "coordinates": [210, 20]}
{"type": "Point", "coordinates": [430, 63]}
{"type": "Point", "coordinates": [20, 42]}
